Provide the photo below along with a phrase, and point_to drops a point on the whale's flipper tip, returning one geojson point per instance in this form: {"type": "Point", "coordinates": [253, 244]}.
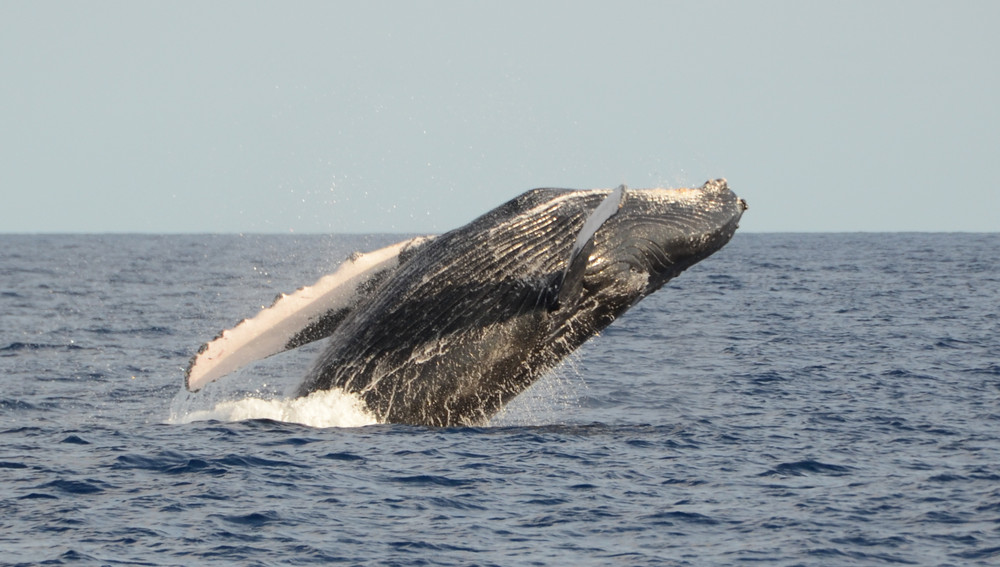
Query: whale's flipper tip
{"type": "Point", "coordinates": [309, 314]}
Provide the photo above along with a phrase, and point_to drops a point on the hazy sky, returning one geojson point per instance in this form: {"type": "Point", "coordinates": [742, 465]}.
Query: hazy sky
{"type": "Point", "coordinates": [419, 116]}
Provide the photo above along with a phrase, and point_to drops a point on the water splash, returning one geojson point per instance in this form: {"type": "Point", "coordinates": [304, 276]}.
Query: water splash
{"type": "Point", "coordinates": [328, 408]}
{"type": "Point", "coordinates": [549, 400]}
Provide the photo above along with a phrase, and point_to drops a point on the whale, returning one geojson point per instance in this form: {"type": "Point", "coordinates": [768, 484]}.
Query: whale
{"type": "Point", "coordinates": [445, 330]}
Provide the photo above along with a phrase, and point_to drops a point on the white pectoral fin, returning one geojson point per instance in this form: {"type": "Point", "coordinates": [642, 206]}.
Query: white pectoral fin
{"type": "Point", "coordinates": [309, 314]}
{"type": "Point", "coordinates": [569, 280]}
{"type": "Point", "coordinates": [607, 209]}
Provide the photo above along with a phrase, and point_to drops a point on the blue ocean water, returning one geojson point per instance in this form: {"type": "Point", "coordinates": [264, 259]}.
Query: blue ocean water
{"type": "Point", "coordinates": [796, 399]}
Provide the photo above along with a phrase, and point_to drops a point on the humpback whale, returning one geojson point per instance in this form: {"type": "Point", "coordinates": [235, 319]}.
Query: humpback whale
{"type": "Point", "coordinates": [445, 330]}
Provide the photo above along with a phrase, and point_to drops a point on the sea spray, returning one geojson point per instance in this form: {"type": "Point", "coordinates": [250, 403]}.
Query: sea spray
{"type": "Point", "coordinates": [329, 408]}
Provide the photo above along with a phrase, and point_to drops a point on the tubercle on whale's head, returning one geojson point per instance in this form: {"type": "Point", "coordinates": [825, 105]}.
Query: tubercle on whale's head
{"type": "Point", "coordinates": [718, 187]}
{"type": "Point", "coordinates": [661, 232]}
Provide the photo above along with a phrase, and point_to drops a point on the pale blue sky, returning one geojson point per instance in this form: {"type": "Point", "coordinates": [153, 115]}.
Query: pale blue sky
{"type": "Point", "coordinates": [419, 116]}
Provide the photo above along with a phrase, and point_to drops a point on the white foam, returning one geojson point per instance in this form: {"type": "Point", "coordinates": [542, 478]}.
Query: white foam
{"type": "Point", "coordinates": [328, 408]}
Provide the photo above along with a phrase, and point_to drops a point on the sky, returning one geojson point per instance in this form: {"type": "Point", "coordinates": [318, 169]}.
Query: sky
{"type": "Point", "coordinates": [414, 117]}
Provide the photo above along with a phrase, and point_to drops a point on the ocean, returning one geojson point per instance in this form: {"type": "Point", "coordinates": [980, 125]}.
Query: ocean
{"type": "Point", "coordinates": [796, 399]}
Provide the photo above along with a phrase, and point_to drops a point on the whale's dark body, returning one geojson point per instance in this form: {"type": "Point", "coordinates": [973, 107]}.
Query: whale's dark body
{"type": "Point", "coordinates": [447, 330]}
{"type": "Point", "coordinates": [475, 316]}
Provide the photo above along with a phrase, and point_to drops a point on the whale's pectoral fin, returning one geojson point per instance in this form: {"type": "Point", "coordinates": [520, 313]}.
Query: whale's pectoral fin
{"type": "Point", "coordinates": [567, 284]}
{"type": "Point", "coordinates": [309, 314]}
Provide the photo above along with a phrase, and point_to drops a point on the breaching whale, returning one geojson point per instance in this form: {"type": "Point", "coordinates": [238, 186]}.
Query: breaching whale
{"type": "Point", "coordinates": [445, 330]}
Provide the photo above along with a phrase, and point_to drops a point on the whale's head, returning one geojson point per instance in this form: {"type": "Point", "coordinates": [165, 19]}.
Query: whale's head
{"type": "Point", "coordinates": [658, 233]}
